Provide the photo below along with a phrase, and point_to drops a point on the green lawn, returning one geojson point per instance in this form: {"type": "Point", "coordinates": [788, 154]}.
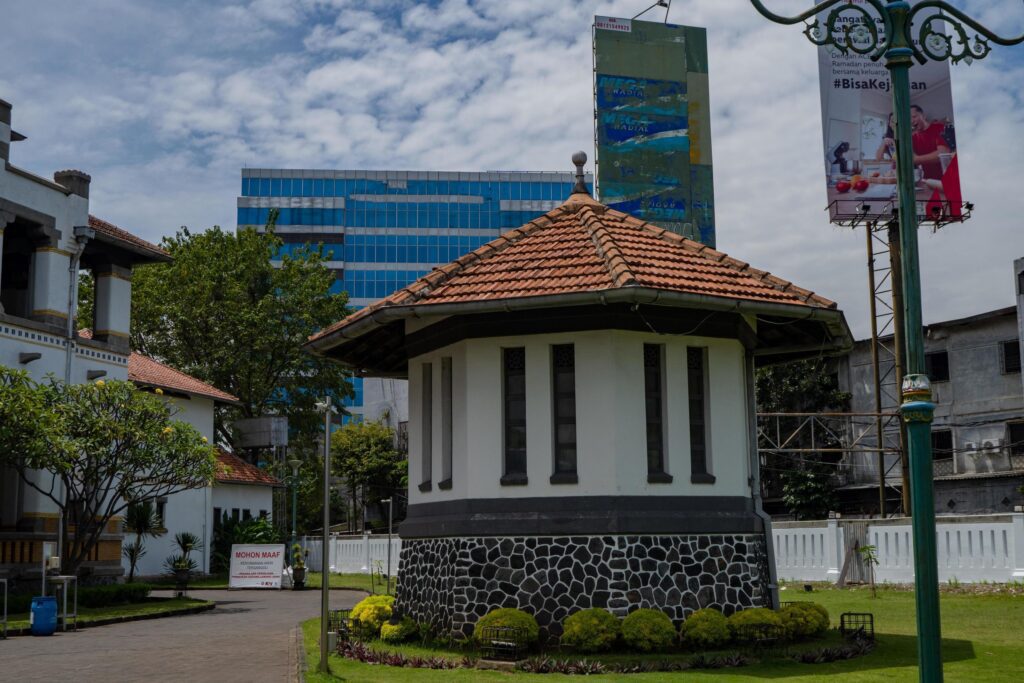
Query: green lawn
{"type": "Point", "coordinates": [982, 642]}
{"type": "Point", "coordinates": [91, 614]}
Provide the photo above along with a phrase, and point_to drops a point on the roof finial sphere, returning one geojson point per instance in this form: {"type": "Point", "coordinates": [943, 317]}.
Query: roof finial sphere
{"type": "Point", "coordinates": [580, 158]}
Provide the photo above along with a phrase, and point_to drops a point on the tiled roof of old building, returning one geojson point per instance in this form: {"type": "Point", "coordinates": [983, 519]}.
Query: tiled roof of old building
{"type": "Point", "coordinates": [111, 233]}
{"type": "Point", "coordinates": [233, 470]}
{"type": "Point", "coordinates": [585, 247]}
{"type": "Point", "coordinates": [152, 373]}
{"type": "Point", "coordinates": [145, 370]}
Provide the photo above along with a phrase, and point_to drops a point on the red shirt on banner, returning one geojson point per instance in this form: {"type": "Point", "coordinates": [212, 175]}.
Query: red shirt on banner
{"type": "Point", "coordinates": [927, 141]}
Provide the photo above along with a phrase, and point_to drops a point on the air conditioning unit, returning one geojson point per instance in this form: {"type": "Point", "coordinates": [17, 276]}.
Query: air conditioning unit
{"type": "Point", "coordinates": [992, 444]}
{"type": "Point", "coordinates": [970, 448]}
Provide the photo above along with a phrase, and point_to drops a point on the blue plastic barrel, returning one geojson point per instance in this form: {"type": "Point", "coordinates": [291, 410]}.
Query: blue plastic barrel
{"type": "Point", "coordinates": [43, 615]}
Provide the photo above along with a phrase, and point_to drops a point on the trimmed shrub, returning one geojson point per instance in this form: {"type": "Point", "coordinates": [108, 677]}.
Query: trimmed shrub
{"type": "Point", "coordinates": [508, 617]}
{"type": "Point", "coordinates": [804, 620]}
{"type": "Point", "coordinates": [706, 628]}
{"type": "Point", "coordinates": [648, 630]}
{"type": "Point", "coordinates": [752, 625]}
{"type": "Point", "coordinates": [590, 630]}
{"type": "Point", "coordinates": [92, 596]}
{"type": "Point", "coordinates": [372, 612]}
{"type": "Point", "coordinates": [400, 632]}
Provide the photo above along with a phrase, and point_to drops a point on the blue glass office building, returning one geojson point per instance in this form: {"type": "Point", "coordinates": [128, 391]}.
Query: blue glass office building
{"type": "Point", "coordinates": [383, 229]}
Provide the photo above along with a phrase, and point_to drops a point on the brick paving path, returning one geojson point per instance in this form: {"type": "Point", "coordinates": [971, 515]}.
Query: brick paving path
{"type": "Point", "coordinates": [250, 636]}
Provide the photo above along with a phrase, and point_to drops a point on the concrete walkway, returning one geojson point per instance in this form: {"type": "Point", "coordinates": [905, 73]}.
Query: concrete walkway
{"type": "Point", "coordinates": [250, 636]}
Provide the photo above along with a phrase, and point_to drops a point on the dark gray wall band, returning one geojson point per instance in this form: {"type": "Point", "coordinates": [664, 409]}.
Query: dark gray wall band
{"type": "Point", "coordinates": [554, 516]}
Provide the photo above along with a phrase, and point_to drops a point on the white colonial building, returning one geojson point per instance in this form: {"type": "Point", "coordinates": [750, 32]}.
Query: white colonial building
{"type": "Point", "coordinates": [46, 237]}
{"type": "Point", "coordinates": [581, 419]}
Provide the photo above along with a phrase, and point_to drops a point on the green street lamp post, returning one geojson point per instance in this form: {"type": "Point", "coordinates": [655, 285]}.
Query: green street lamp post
{"type": "Point", "coordinates": [293, 480]}
{"type": "Point", "coordinates": [896, 43]}
{"type": "Point", "coordinates": [328, 410]}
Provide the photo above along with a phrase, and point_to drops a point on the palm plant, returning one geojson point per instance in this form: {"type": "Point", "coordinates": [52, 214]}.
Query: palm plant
{"type": "Point", "coordinates": [181, 561]}
{"type": "Point", "coordinates": [141, 520]}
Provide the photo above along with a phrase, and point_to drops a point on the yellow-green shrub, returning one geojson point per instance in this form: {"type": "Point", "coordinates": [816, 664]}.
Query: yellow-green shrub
{"type": "Point", "coordinates": [508, 617]}
{"type": "Point", "coordinates": [804, 620]}
{"type": "Point", "coordinates": [590, 630]}
{"type": "Point", "coordinates": [648, 630]}
{"type": "Point", "coordinates": [400, 632]}
{"type": "Point", "coordinates": [372, 612]}
{"type": "Point", "coordinates": [706, 629]}
{"type": "Point", "coordinates": [754, 624]}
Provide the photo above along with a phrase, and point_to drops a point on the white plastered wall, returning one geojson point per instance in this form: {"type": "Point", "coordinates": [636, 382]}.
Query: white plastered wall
{"type": "Point", "coordinates": [611, 429]}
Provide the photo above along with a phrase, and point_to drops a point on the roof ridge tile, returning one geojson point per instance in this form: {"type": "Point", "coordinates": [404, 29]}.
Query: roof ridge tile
{"type": "Point", "coordinates": [608, 249]}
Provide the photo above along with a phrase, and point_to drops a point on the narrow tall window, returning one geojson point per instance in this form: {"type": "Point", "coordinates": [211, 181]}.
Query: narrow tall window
{"type": "Point", "coordinates": [942, 444]}
{"type": "Point", "coordinates": [697, 383]}
{"type": "Point", "coordinates": [936, 366]}
{"type": "Point", "coordinates": [654, 404]}
{"type": "Point", "coordinates": [446, 423]}
{"type": "Point", "coordinates": [1011, 356]}
{"type": "Point", "coordinates": [426, 426]}
{"type": "Point", "coordinates": [514, 392]}
{"type": "Point", "coordinates": [563, 382]}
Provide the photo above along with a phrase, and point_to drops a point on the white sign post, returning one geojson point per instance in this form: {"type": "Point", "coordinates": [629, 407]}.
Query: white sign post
{"type": "Point", "coordinates": [256, 566]}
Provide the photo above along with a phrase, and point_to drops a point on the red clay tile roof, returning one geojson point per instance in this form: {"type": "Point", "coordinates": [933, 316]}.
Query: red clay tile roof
{"type": "Point", "coordinates": [115, 234]}
{"type": "Point", "coordinates": [233, 470]}
{"type": "Point", "coordinates": [152, 373]}
{"type": "Point", "coordinates": [145, 370]}
{"type": "Point", "coordinates": [582, 247]}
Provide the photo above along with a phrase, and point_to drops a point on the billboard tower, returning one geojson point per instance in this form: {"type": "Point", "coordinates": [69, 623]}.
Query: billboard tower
{"type": "Point", "coordinates": [653, 124]}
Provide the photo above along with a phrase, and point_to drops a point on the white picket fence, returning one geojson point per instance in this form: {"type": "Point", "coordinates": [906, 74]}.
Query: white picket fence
{"type": "Point", "coordinates": [354, 554]}
{"type": "Point", "coordinates": [970, 549]}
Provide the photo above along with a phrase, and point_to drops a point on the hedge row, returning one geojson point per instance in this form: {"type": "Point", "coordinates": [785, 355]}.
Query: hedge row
{"type": "Point", "coordinates": [91, 596]}
{"type": "Point", "coordinates": [643, 630]}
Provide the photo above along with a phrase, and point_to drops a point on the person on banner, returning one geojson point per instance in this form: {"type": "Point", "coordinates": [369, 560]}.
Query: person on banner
{"type": "Point", "coordinates": [887, 149]}
{"type": "Point", "coordinates": [928, 140]}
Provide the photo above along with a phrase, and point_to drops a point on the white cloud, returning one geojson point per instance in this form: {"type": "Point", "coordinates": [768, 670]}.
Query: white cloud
{"type": "Point", "coordinates": [164, 103]}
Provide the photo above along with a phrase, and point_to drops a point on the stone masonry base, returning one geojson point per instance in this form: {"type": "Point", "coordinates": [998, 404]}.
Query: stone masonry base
{"type": "Point", "coordinates": [449, 583]}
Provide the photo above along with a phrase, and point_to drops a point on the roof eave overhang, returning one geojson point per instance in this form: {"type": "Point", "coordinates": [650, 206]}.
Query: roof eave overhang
{"type": "Point", "coordinates": [184, 393]}
{"type": "Point", "coordinates": [138, 255]}
{"type": "Point", "coordinates": [840, 338]}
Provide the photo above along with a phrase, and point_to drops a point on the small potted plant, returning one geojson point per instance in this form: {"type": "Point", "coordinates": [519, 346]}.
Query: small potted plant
{"type": "Point", "coordinates": [298, 568]}
{"type": "Point", "coordinates": [181, 565]}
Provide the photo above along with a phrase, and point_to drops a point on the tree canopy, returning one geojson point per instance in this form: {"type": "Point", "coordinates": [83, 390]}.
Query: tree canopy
{"type": "Point", "coordinates": [95, 450]}
{"type": "Point", "coordinates": [224, 313]}
{"type": "Point", "coordinates": [804, 480]}
{"type": "Point", "coordinates": [364, 455]}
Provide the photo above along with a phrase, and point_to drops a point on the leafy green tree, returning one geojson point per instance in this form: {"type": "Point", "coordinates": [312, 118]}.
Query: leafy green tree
{"type": "Point", "coordinates": [97, 450]}
{"type": "Point", "coordinates": [222, 312]}
{"type": "Point", "coordinates": [363, 454]}
{"type": "Point", "coordinates": [804, 480]}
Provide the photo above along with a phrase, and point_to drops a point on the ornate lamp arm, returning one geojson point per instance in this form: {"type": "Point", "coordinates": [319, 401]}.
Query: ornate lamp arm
{"type": "Point", "coordinates": [862, 38]}
{"type": "Point", "coordinates": [938, 46]}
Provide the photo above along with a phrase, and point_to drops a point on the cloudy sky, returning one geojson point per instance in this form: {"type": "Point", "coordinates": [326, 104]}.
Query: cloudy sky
{"type": "Point", "coordinates": [164, 102]}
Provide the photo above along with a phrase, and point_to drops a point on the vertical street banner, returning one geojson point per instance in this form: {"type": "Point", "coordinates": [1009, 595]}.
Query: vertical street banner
{"type": "Point", "coordinates": [256, 566]}
{"type": "Point", "coordinates": [653, 124]}
{"type": "Point", "coordinates": [859, 132]}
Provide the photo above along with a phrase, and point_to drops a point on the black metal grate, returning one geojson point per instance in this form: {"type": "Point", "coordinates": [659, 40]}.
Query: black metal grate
{"type": "Point", "coordinates": [502, 642]}
{"type": "Point", "coordinates": [857, 625]}
{"type": "Point", "coordinates": [337, 620]}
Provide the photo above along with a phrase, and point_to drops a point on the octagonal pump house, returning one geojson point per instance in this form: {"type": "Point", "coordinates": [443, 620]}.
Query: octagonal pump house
{"type": "Point", "coordinates": [581, 420]}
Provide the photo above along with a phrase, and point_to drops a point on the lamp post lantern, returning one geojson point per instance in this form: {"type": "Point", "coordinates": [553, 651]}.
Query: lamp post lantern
{"type": "Point", "coordinates": [900, 42]}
